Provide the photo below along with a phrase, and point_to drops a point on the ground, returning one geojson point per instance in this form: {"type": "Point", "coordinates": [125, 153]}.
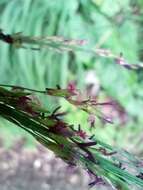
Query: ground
{"type": "Point", "coordinates": [27, 169]}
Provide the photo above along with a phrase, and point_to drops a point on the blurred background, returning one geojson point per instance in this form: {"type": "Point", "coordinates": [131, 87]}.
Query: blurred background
{"type": "Point", "coordinates": [115, 25]}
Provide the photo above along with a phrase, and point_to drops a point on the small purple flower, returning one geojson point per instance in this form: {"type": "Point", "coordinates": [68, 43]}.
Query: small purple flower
{"type": "Point", "coordinates": [120, 60]}
{"type": "Point", "coordinates": [62, 129]}
{"type": "Point", "coordinates": [72, 88]}
{"type": "Point", "coordinates": [81, 134]}
{"type": "Point", "coordinates": [23, 100]}
{"type": "Point", "coordinates": [82, 42]}
{"type": "Point", "coordinates": [23, 103]}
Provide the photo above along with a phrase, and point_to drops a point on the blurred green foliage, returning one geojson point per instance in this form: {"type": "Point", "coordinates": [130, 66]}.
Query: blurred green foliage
{"type": "Point", "coordinates": [115, 25]}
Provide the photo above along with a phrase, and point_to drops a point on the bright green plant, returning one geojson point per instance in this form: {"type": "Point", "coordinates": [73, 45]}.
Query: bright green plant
{"type": "Point", "coordinates": [19, 105]}
{"type": "Point", "coordinates": [118, 29]}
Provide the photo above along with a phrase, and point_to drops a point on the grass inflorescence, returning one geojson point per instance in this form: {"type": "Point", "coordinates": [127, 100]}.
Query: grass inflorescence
{"type": "Point", "coordinates": [103, 163]}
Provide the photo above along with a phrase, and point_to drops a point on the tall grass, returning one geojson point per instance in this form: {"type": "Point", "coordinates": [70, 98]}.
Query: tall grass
{"type": "Point", "coordinates": [114, 29]}
{"type": "Point", "coordinates": [104, 164]}
{"type": "Point", "coordinates": [117, 29]}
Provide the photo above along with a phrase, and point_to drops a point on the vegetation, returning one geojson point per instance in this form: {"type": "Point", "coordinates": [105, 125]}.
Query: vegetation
{"type": "Point", "coordinates": [58, 52]}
